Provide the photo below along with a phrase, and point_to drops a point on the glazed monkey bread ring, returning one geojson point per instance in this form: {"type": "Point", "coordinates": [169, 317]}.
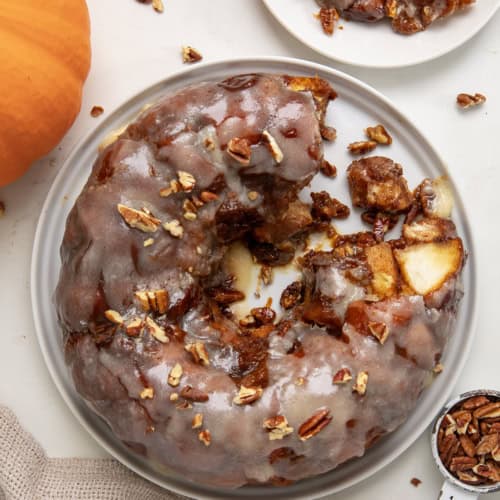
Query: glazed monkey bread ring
{"type": "Point", "coordinates": [144, 297]}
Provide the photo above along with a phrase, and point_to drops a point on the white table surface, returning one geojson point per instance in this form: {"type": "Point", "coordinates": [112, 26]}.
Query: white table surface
{"type": "Point", "coordinates": [132, 48]}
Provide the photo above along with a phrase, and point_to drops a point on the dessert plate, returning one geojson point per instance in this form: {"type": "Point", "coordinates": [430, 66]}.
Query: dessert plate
{"type": "Point", "coordinates": [357, 107]}
{"type": "Point", "coordinates": [376, 45]}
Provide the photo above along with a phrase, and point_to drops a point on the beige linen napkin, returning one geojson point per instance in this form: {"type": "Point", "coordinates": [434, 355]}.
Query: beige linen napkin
{"type": "Point", "coordinates": [26, 473]}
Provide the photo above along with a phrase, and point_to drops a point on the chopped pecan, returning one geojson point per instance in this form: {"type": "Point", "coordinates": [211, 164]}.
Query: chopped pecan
{"type": "Point", "coordinates": [475, 402]}
{"type": "Point", "coordinates": [484, 427]}
{"type": "Point", "coordinates": [189, 206]}
{"type": "Point", "coordinates": [174, 227]}
{"type": "Point", "coordinates": [361, 147]}
{"type": "Point", "coordinates": [472, 429]}
{"type": "Point", "coordinates": [158, 6]}
{"type": "Point", "coordinates": [468, 477]}
{"type": "Point", "coordinates": [292, 295]}
{"type": "Point", "coordinates": [445, 443]}
{"type": "Point", "coordinates": [225, 295]}
{"type": "Point", "coordinates": [138, 219]}
{"type": "Point", "coordinates": [186, 180]}
{"type": "Point", "coordinates": [265, 275]}
{"type": "Point", "coordinates": [468, 100]}
{"type": "Point", "coordinates": [209, 143]}
{"type": "Point", "coordinates": [174, 377]}
{"type": "Point", "coordinates": [487, 444]}
{"type": "Point", "coordinates": [205, 437]}
{"type": "Point", "coordinates": [379, 134]}
{"type": "Point", "coordinates": [327, 18]}
{"type": "Point", "coordinates": [277, 427]}
{"type": "Point", "coordinates": [488, 470]}
{"type": "Point", "coordinates": [247, 395]}
{"type": "Point", "coordinates": [326, 208]}
{"type": "Point", "coordinates": [462, 463]}
{"type": "Point", "coordinates": [190, 55]}
{"type": "Point", "coordinates": [316, 423]}
{"type": "Point", "coordinates": [263, 315]}
{"type": "Point", "coordinates": [342, 376]}
{"type": "Point", "coordinates": [381, 221]}
{"type": "Point", "coordinates": [114, 316]}
{"type": "Point", "coordinates": [462, 419]}
{"type": "Point", "coordinates": [143, 299]}
{"type": "Point", "coordinates": [248, 322]}
{"type": "Point", "coordinates": [491, 410]}
{"type": "Point", "coordinates": [174, 187]}
{"type": "Point", "coordinates": [391, 8]}
{"type": "Point", "coordinates": [361, 383]}
{"type": "Point", "coordinates": [450, 448]}
{"type": "Point", "coordinates": [191, 216]}
{"type": "Point", "coordinates": [208, 196]}
{"type": "Point", "coordinates": [197, 421]}
{"type": "Point", "coordinates": [379, 330]}
{"type": "Point", "coordinates": [192, 394]}
{"type": "Point", "coordinates": [134, 327]}
{"type": "Point", "coordinates": [327, 169]}
{"type": "Point", "coordinates": [252, 195]}
{"type": "Point", "coordinates": [328, 133]}
{"type": "Point", "coordinates": [156, 331]}
{"type": "Point", "coordinates": [273, 147]}
{"type": "Point", "coordinates": [438, 368]}
{"type": "Point", "coordinates": [153, 300]}
{"type": "Point", "coordinates": [158, 300]}
{"type": "Point", "coordinates": [147, 393]}
{"type": "Point", "coordinates": [415, 481]}
{"type": "Point", "coordinates": [450, 424]}
{"type": "Point", "coordinates": [199, 352]}
{"type": "Point", "coordinates": [239, 149]}
{"type": "Point", "coordinates": [196, 203]}
{"type": "Point", "coordinates": [96, 111]}
{"type": "Point", "coordinates": [468, 446]}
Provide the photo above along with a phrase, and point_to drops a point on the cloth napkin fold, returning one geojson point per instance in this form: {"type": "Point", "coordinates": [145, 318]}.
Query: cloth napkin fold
{"type": "Point", "coordinates": [26, 473]}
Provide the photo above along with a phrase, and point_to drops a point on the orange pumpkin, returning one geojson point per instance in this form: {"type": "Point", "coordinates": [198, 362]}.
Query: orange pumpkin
{"type": "Point", "coordinates": [44, 61]}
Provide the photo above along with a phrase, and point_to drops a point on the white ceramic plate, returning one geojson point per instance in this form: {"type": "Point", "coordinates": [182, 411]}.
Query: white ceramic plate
{"type": "Point", "coordinates": [376, 45]}
{"type": "Point", "coordinates": [357, 107]}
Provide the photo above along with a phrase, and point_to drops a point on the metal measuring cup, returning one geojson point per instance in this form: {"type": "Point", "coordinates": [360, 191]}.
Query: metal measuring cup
{"type": "Point", "coordinates": [453, 488]}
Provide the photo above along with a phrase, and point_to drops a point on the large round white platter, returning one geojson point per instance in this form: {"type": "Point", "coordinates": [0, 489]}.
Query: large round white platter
{"type": "Point", "coordinates": [376, 45]}
{"type": "Point", "coordinates": [357, 107]}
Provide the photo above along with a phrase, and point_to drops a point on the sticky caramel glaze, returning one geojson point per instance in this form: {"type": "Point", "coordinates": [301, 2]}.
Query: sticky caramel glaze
{"type": "Point", "coordinates": [104, 262]}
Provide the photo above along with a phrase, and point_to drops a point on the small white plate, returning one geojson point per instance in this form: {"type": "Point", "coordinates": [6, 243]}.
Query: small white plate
{"type": "Point", "coordinates": [376, 45]}
{"type": "Point", "coordinates": [357, 107]}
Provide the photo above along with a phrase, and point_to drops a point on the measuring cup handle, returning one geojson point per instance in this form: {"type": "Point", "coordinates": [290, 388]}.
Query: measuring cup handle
{"type": "Point", "coordinates": [451, 492]}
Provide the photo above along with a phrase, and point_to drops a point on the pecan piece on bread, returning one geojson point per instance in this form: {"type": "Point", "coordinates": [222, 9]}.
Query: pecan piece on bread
{"type": "Point", "coordinates": [315, 424]}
